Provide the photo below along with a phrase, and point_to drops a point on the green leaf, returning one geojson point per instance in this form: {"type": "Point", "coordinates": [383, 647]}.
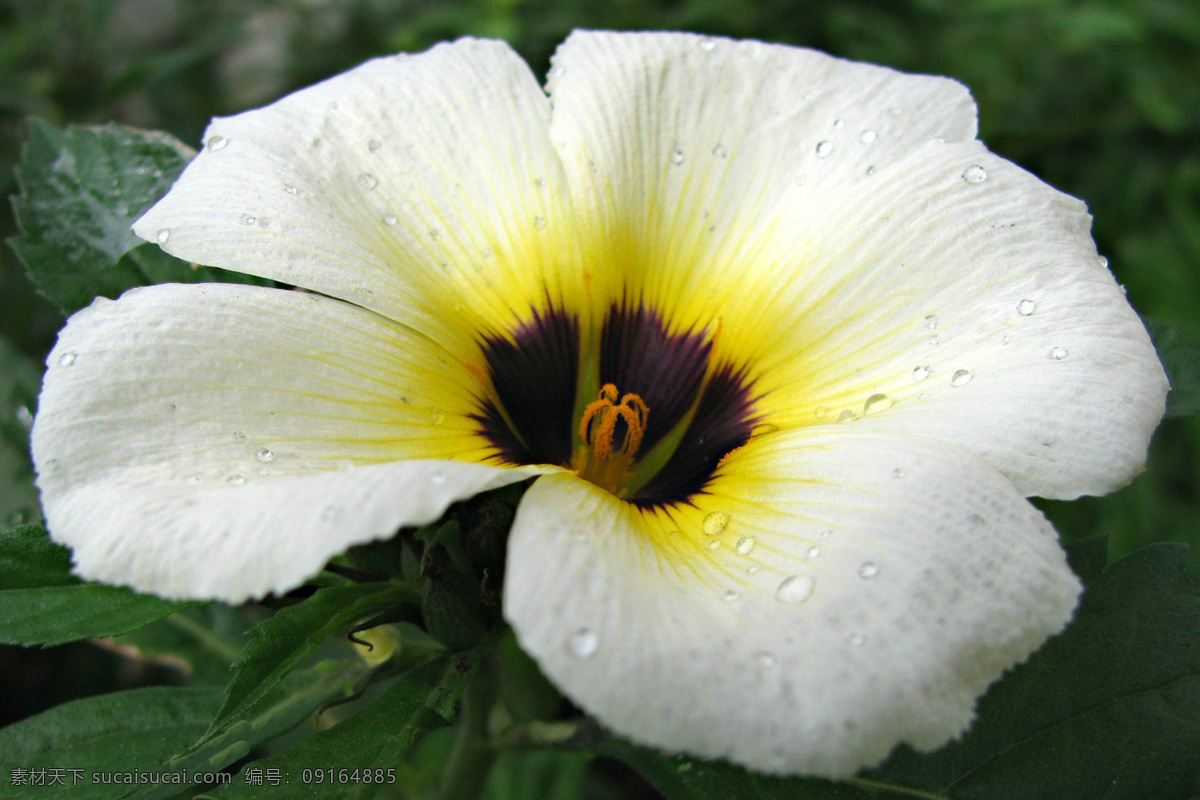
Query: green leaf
{"type": "Point", "coordinates": [377, 737]}
{"type": "Point", "coordinates": [124, 732]}
{"type": "Point", "coordinates": [1110, 708]}
{"type": "Point", "coordinates": [19, 382]}
{"type": "Point", "coordinates": [1179, 349]}
{"type": "Point", "coordinates": [280, 644]}
{"type": "Point", "coordinates": [41, 602]}
{"type": "Point", "coordinates": [287, 705]}
{"type": "Point", "coordinates": [82, 189]}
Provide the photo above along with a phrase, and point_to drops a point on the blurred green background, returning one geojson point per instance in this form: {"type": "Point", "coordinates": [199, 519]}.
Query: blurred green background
{"type": "Point", "coordinates": [1101, 99]}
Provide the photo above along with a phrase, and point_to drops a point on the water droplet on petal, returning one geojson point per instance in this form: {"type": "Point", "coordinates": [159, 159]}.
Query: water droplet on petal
{"type": "Point", "coordinates": [868, 569]}
{"type": "Point", "coordinates": [795, 589]}
{"type": "Point", "coordinates": [745, 545]}
{"type": "Point", "coordinates": [374, 145]}
{"type": "Point", "coordinates": [677, 157]}
{"type": "Point", "coordinates": [846, 416]}
{"type": "Point", "coordinates": [163, 235]}
{"type": "Point", "coordinates": [715, 544]}
{"type": "Point", "coordinates": [264, 455]}
{"type": "Point", "coordinates": [898, 472]}
{"type": "Point", "coordinates": [390, 220]}
{"type": "Point", "coordinates": [1058, 353]}
{"type": "Point", "coordinates": [753, 569]}
{"type": "Point", "coordinates": [24, 417]}
{"type": "Point", "coordinates": [715, 522]}
{"type": "Point", "coordinates": [931, 321]}
{"type": "Point", "coordinates": [857, 639]}
{"type": "Point", "coordinates": [437, 479]}
{"type": "Point", "coordinates": [66, 359]}
{"type": "Point", "coordinates": [235, 480]}
{"type": "Point", "coordinates": [920, 373]}
{"type": "Point", "coordinates": [824, 148]}
{"type": "Point", "coordinates": [975, 174]}
{"type": "Point", "coordinates": [539, 223]}
{"type": "Point", "coordinates": [437, 418]}
{"type": "Point", "coordinates": [1026, 307]}
{"type": "Point", "coordinates": [287, 187]}
{"type": "Point", "coordinates": [435, 234]}
{"type": "Point", "coordinates": [583, 643]}
{"type": "Point", "coordinates": [239, 436]}
{"type": "Point", "coordinates": [216, 142]}
{"type": "Point", "coordinates": [720, 152]}
{"type": "Point", "coordinates": [866, 137]}
{"type": "Point", "coordinates": [248, 219]}
{"type": "Point", "coordinates": [707, 45]}
{"type": "Point", "coordinates": [730, 595]}
{"type": "Point", "coordinates": [812, 552]}
{"type": "Point", "coordinates": [557, 71]}
{"type": "Point", "coordinates": [764, 658]}
{"type": "Point", "coordinates": [368, 181]}
{"type": "Point", "coordinates": [895, 111]}
{"type": "Point", "coordinates": [961, 377]}
{"type": "Point", "coordinates": [1103, 261]}
{"type": "Point", "coordinates": [824, 534]}
{"type": "Point", "coordinates": [876, 403]}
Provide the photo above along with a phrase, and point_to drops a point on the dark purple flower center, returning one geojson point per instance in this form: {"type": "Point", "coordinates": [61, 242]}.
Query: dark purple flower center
{"type": "Point", "coordinates": [555, 402]}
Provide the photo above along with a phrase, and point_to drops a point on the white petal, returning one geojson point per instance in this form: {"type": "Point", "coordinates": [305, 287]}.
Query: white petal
{"type": "Point", "coordinates": [969, 295]}
{"type": "Point", "coordinates": [863, 591]}
{"type": "Point", "coordinates": [680, 146]}
{"type": "Point", "coordinates": [422, 187]}
{"type": "Point", "coordinates": [225, 441]}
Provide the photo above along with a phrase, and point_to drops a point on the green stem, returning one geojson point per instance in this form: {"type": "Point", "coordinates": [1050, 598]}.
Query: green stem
{"type": "Point", "coordinates": [470, 763]}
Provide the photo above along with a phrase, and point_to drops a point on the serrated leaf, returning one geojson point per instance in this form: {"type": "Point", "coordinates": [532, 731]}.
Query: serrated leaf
{"type": "Point", "coordinates": [377, 737]}
{"type": "Point", "coordinates": [291, 702]}
{"type": "Point", "coordinates": [81, 190]}
{"type": "Point", "coordinates": [280, 644]}
{"type": "Point", "coordinates": [123, 732]}
{"type": "Point", "coordinates": [1179, 349]}
{"type": "Point", "coordinates": [1110, 708]}
{"type": "Point", "coordinates": [41, 602]}
{"type": "Point", "coordinates": [19, 382]}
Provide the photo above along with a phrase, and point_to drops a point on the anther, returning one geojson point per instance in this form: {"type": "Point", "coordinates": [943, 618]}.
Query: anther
{"type": "Point", "coordinates": [605, 412]}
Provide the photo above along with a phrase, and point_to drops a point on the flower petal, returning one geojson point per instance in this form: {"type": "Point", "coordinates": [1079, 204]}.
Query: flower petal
{"type": "Point", "coordinates": [188, 436]}
{"type": "Point", "coordinates": [421, 187]}
{"type": "Point", "coordinates": [679, 147]}
{"type": "Point", "coordinates": [835, 593]}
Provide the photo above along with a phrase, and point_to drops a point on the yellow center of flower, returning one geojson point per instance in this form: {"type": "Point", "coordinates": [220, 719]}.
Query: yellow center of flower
{"type": "Point", "coordinates": [595, 460]}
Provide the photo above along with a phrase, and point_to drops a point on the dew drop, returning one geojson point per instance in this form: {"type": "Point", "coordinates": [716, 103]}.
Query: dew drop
{"type": "Point", "coordinates": [677, 157]}
{"type": "Point", "coordinates": [583, 643]}
{"type": "Point", "coordinates": [715, 544]}
{"type": "Point", "coordinates": [390, 220]}
{"type": "Point", "coordinates": [934, 340]}
{"type": "Point", "coordinates": [437, 418]}
{"type": "Point", "coordinates": [163, 235]}
{"type": "Point", "coordinates": [812, 552]}
{"type": "Point", "coordinates": [539, 223]}
{"type": "Point", "coordinates": [557, 71]}
{"type": "Point", "coordinates": [867, 570]}
{"type": "Point", "coordinates": [239, 436]}
{"type": "Point", "coordinates": [1058, 353]}
{"type": "Point", "coordinates": [248, 219]}
{"type": "Point", "coordinates": [764, 658]}
{"type": "Point", "coordinates": [858, 639]}
{"type": "Point", "coordinates": [715, 522]}
{"type": "Point", "coordinates": [895, 111]}
{"type": "Point", "coordinates": [1103, 261]}
{"type": "Point", "coordinates": [730, 595]}
{"type": "Point", "coordinates": [898, 472]}
{"type": "Point", "coordinates": [235, 480]}
{"type": "Point", "coordinates": [931, 321]}
{"type": "Point", "coordinates": [753, 569]}
{"type": "Point", "coordinates": [215, 143]}
{"type": "Point", "coordinates": [745, 545]}
{"type": "Point", "coordinates": [24, 417]}
{"type": "Point", "coordinates": [368, 181]}
{"type": "Point", "coordinates": [1026, 307]}
{"type": "Point", "coordinates": [876, 403]}
{"type": "Point", "coordinates": [435, 234]}
{"type": "Point", "coordinates": [374, 146]}
{"type": "Point", "coordinates": [920, 373]}
{"type": "Point", "coordinates": [66, 359]}
{"type": "Point", "coordinates": [264, 455]}
{"type": "Point", "coordinates": [287, 187]}
{"type": "Point", "coordinates": [825, 534]}
{"type": "Point", "coordinates": [707, 45]}
{"type": "Point", "coordinates": [866, 137]}
{"type": "Point", "coordinates": [961, 377]}
{"type": "Point", "coordinates": [437, 479]}
{"type": "Point", "coordinates": [838, 124]}
{"type": "Point", "coordinates": [975, 174]}
{"type": "Point", "coordinates": [846, 416]}
{"type": "Point", "coordinates": [824, 148]}
{"type": "Point", "coordinates": [795, 589]}
{"type": "Point", "coordinates": [871, 170]}
{"type": "Point", "coordinates": [720, 152]}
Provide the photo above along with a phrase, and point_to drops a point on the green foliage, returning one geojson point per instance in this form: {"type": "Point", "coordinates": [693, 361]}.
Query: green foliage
{"type": "Point", "coordinates": [41, 602]}
{"type": "Point", "coordinates": [19, 382]}
{"type": "Point", "coordinates": [125, 732]}
{"type": "Point", "coordinates": [1179, 349]}
{"type": "Point", "coordinates": [82, 189]}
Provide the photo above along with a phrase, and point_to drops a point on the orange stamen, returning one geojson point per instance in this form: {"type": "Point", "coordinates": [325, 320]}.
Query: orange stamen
{"type": "Point", "coordinates": [605, 411]}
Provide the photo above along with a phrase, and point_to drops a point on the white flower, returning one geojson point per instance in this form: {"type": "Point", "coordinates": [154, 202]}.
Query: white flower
{"type": "Point", "coordinates": [844, 341]}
